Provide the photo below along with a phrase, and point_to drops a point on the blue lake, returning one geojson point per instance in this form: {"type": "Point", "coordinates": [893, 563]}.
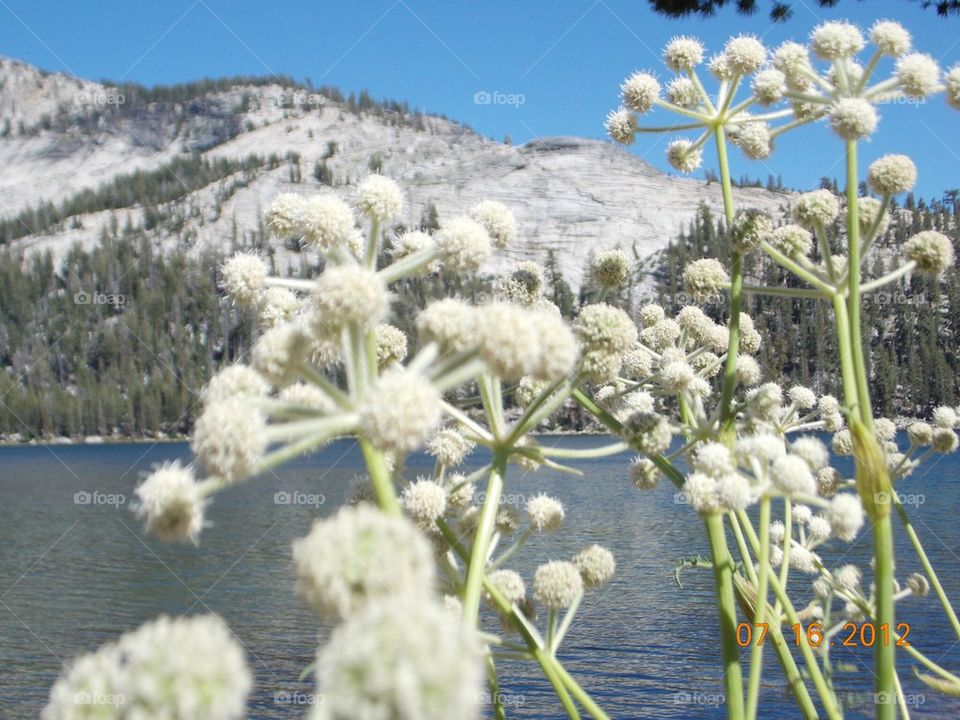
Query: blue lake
{"type": "Point", "coordinates": [77, 570]}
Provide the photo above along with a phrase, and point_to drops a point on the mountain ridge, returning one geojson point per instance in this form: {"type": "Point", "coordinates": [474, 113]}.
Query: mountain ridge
{"type": "Point", "coordinates": [63, 135]}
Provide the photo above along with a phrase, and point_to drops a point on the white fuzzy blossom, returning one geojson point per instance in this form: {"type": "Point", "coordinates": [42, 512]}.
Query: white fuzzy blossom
{"type": "Point", "coordinates": [349, 294]}
{"type": "Point", "coordinates": [846, 516]}
{"type": "Point", "coordinates": [932, 251]}
{"type": "Point", "coordinates": [188, 668]}
{"type": "Point", "coordinates": [596, 565]}
{"type": "Point", "coordinates": [684, 156]}
{"type": "Point", "coordinates": [235, 380]}
{"type": "Point", "coordinates": [892, 174]}
{"type": "Point", "coordinates": [918, 75]}
{"type": "Point", "coordinates": [769, 86]}
{"type": "Point", "coordinates": [682, 91]}
{"type": "Point", "coordinates": [890, 37]}
{"type": "Point", "coordinates": [835, 40]}
{"type": "Point", "coordinates": [327, 222]}
{"type": "Point", "coordinates": [510, 584]}
{"type": "Point", "coordinates": [244, 277]}
{"type": "Point", "coordinates": [545, 513]}
{"type": "Point", "coordinates": [683, 53]}
{"type": "Point", "coordinates": [792, 475]}
{"type": "Point", "coordinates": [819, 207]}
{"type": "Point", "coordinates": [621, 125]}
{"type": "Point", "coordinates": [380, 198]}
{"type": "Point", "coordinates": [400, 411]}
{"type": "Point", "coordinates": [450, 323]}
{"type": "Point", "coordinates": [557, 584]}
{"type": "Point", "coordinates": [465, 244]}
{"type": "Point", "coordinates": [450, 447]}
{"type": "Point", "coordinates": [229, 439]}
{"type": "Point", "coordinates": [611, 268]}
{"type": "Point", "coordinates": [853, 118]}
{"type": "Point", "coordinates": [359, 555]}
{"type": "Point", "coordinates": [284, 217]}
{"type": "Point", "coordinates": [400, 659]}
{"type": "Point", "coordinates": [498, 220]}
{"type": "Point", "coordinates": [705, 277]}
{"type": "Point", "coordinates": [640, 91]}
{"type": "Point", "coordinates": [424, 500]}
{"type": "Point", "coordinates": [744, 55]}
{"type": "Point", "coordinates": [170, 503]}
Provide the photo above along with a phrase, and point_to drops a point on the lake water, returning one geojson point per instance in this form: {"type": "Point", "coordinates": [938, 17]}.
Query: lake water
{"type": "Point", "coordinates": [76, 570]}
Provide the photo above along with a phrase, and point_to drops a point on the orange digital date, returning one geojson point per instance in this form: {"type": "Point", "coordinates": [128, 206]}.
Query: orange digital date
{"type": "Point", "coordinates": [852, 634]}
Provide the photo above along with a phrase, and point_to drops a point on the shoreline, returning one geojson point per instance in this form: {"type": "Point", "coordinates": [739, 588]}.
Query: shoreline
{"type": "Point", "coordinates": [94, 440]}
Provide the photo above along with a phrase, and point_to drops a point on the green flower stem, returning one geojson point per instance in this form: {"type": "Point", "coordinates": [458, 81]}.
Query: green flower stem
{"type": "Point", "coordinates": [670, 128]}
{"type": "Point", "coordinates": [499, 713]}
{"type": "Point", "coordinates": [603, 451]}
{"type": "Point", "coordinates": [795, 268]}
{"type": "Point", "coordinates": [481, 542]}
{"type": "Point", "coordinates": [853, 288]}
{"type": "Point", "coordinates": [907, 267]}
{"type": "Point", "coordinates": [927, 567]}
{"type": "Point", "coordinates": [727, 607]}
{"type": "Point", "coordinates": [532, 415]}
{"type": "Point", "coordinates": [380, 477]}
{"type": "Point", "coordinates": [813, 668]}
{"type": "Point", "coordinates": [580, 694]}
{"type": "Point", "coordinates": [565, 623]}
{"type": "Point", "coordinates": [756, 651]}
{"type": "Point", "coordinates": [806, 293]}
{"type": "Point", "coordinates": [410, 264]}
{"type": "Point", "coordinates": [846, 357]}
{"type": "Point", "coordinates": [333, 392]}
{"type": "Point", "coordinates": [370, 257]}
{"type": "Point", "coordinates": [552, 668]}
{"type": "Point", "coordinates": [736, 283]}
{"type": "Point", "coordinates": [790, 670]}
{"type": "Point", "coordinates": [884, 654]}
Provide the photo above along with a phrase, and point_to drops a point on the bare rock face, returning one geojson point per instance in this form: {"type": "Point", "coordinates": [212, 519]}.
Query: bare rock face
{"type": "Point", "coordinates": [572, 195]}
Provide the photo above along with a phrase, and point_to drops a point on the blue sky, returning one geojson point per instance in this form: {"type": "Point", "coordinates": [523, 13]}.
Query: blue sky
{"type": "Point", "coordinates": [563, 58]}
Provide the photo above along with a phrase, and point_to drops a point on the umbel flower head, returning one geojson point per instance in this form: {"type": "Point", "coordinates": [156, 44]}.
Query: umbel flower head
{"type": "Point", "coordinates": [400, 411]}
{"type": "Point", "coordinates": [403, 659]}
{"type": "Point", "coordinates": [359, 555]}
{"type": "Point", "coordinates": [229, 439]}
{"type": "Point", "coordinates": [170, 503]}
{"type": "Point", "coordinates": [189, 668]}
{"type": "Point", "coordinates": [380, 198]}
{"type": "Point", "coordinates": [557, 584]}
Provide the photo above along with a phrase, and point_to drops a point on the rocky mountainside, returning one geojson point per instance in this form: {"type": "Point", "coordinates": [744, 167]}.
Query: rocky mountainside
{"type": "Point", "coordinates": [62, 137]}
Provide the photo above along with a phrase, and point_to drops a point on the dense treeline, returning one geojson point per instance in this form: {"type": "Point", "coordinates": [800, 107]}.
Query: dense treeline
{"type": "Point", "coordinates": [911, 328]}
{"type": "Point", "coordinates": [119, 339]}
